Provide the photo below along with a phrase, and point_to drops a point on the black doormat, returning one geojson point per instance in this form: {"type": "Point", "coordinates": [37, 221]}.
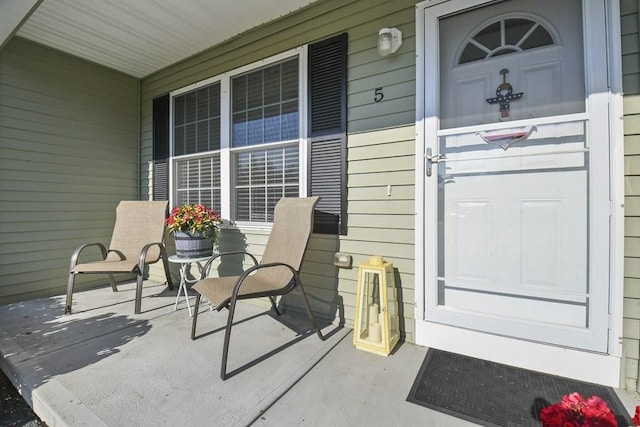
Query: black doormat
{"type": "Point", "coordinates": [491, 394]}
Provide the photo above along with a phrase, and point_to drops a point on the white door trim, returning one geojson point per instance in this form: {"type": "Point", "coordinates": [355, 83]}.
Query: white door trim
{"type": "Point", "coordinates": [600, 368]}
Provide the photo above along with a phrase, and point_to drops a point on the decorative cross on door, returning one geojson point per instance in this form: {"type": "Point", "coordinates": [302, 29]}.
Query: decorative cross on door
{"type": "Point", "coordinates": [504, 94]}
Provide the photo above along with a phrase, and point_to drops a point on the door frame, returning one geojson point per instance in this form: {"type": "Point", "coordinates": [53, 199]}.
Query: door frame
{"type": "Point", "coordinates": [532, 355]}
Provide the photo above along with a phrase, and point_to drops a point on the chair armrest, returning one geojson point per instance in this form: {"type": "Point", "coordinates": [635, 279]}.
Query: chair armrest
{"type": "Point", "coordinates": [207, 266]}
{"type": "Point", "coordinates": [145, 250]}
{"type": "Point", "coordinates": [249, 271]}
{"type": "Point", "coordinates": [79, 249]}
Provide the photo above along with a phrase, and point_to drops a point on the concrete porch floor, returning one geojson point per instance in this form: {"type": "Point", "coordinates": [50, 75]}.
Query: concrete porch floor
{"type": "Point", "coordinates": [105, 366]}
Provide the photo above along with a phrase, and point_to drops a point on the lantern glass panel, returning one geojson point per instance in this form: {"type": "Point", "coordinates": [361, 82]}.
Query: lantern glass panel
{"type": "Point", "coordinates": [371, 317]}
{"type": "Point", "coordinates": [392, 306]}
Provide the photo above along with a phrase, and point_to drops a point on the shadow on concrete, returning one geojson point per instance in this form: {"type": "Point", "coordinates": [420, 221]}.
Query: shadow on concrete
{"type": "Point", "coordinates": [36, 337]}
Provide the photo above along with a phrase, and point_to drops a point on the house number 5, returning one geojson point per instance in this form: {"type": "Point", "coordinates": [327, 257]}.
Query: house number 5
{"type": "Point", "coordinates": [379, 96]}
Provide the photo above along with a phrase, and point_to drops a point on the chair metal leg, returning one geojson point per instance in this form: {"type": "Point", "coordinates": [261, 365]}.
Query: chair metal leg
{"type": "Point", "coordinates": [67, 304]}
{"type": "Point", "coordinates": [72, 265]}
{"type": "Point", "coordinates": [227, 338]}
{"type": "Point", "coordinates": [138, 302]}
{"type": "Point", "coordinates": [165, 262]}
{"type": "Point", "coordinates": [309, 312]}
{"type": "Point", "coordinates": [274, 306]}
{"type": "Point", "coordinates": [112, 282]}
{"type": "Point", "coordinates": [194, 319]}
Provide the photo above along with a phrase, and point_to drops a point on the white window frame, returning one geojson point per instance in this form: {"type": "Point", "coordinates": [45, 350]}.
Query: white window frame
{"type": "Point", "coordinates": [226, 151]}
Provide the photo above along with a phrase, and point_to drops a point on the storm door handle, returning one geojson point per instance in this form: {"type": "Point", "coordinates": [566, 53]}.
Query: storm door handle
{"type": "Point", "coordinates": [431, 159]}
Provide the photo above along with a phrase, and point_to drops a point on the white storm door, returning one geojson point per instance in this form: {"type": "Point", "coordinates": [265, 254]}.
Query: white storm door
{"type": "Point", "coordinates": [516, 187]}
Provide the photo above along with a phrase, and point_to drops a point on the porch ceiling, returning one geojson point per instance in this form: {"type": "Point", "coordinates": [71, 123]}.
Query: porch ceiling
{"type": "Point", "coordinates": [136, 37]}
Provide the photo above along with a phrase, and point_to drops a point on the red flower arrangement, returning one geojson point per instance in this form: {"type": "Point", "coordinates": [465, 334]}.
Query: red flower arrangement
{"type": "Point", "coordinates": [576, 411]}
{"type": "Point", "coordinates": [193, 219]}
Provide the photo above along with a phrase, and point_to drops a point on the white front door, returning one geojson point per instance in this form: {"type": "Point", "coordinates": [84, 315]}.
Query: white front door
{"type": "Point", "coordinates": [517, 203]}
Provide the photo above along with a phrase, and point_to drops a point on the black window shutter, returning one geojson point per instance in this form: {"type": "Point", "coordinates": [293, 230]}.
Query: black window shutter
{"type": "Point", "coordinates": [161, 148]}
{"type": "Point", "coordinates": [328, 132]}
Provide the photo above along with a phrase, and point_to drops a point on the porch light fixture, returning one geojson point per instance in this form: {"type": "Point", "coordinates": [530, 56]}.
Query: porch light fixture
{"type": "Point", "coordinates": [377, 321]}
{"type": "Point", "coordinates": [389, 41]}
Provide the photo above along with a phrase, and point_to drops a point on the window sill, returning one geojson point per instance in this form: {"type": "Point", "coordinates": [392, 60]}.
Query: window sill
{"type": "Point", "coordinates": [249, 226]}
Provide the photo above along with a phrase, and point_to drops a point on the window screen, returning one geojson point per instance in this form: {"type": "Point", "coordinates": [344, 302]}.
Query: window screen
{"type": "Point", "coordinates": [265, 105]}
{"type": "Point", "coordinates": [196, 118]}
{"type": "Point", "coordinates": [198, 181]}
{"type": "Point", "coordinates": [265, 109]}
{"type": "Point", "coordinates": [262, 178]}
{"type": "Point", "coordinates": [196, 129]}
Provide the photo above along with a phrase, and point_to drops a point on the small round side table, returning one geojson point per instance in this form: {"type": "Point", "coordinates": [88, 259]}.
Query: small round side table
{"type": "Point", "coordinates": [184, 280]}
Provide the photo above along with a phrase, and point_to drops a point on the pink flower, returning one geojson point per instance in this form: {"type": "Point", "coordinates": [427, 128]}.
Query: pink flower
{"type": "Point", "coordinates": [636, 417]}
{"type": "Point", "coordinates": [574, 410]}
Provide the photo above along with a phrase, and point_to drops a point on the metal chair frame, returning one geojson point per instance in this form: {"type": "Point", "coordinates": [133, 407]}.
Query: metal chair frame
{"type": "Point", "coordinates": [236, 294]}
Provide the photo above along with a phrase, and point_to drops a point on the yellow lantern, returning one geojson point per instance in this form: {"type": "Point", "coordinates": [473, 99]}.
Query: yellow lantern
{"type": "Point", "coordinates": [377, 321]}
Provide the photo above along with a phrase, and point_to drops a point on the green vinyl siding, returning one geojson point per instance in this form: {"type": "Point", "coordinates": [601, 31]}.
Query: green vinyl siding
{"type": "Point", "coordinates": [68, 154]}
{"type": "Point", "coordinates": [393, 75]}
{"type": "Point", "coordinates": [630, 41]}
{"type": "Point", "coordinates": [380, 142]}
{"type": "Point", "coordinates": [381, 212]}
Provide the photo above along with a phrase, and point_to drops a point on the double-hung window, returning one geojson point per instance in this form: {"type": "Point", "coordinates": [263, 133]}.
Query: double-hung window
{"type": "Point", "coordinates": [240, 141]}
{"type": "Point", "coordinates": [265, 139]}
{"type": "Point", "coordinates": [237, 140]}
{"type": "Point", "coordinates": [196, 147]}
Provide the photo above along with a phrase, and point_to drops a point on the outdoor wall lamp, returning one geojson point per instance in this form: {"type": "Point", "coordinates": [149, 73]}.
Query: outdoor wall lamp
{"type": "Point", "coordinates": [389, 41]}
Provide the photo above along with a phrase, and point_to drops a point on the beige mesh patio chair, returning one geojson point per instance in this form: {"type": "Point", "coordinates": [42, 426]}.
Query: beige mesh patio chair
{"type": "Point", "coordinates": [276, 274]}
{"type": "Point", "coordinates": [136, 242]}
